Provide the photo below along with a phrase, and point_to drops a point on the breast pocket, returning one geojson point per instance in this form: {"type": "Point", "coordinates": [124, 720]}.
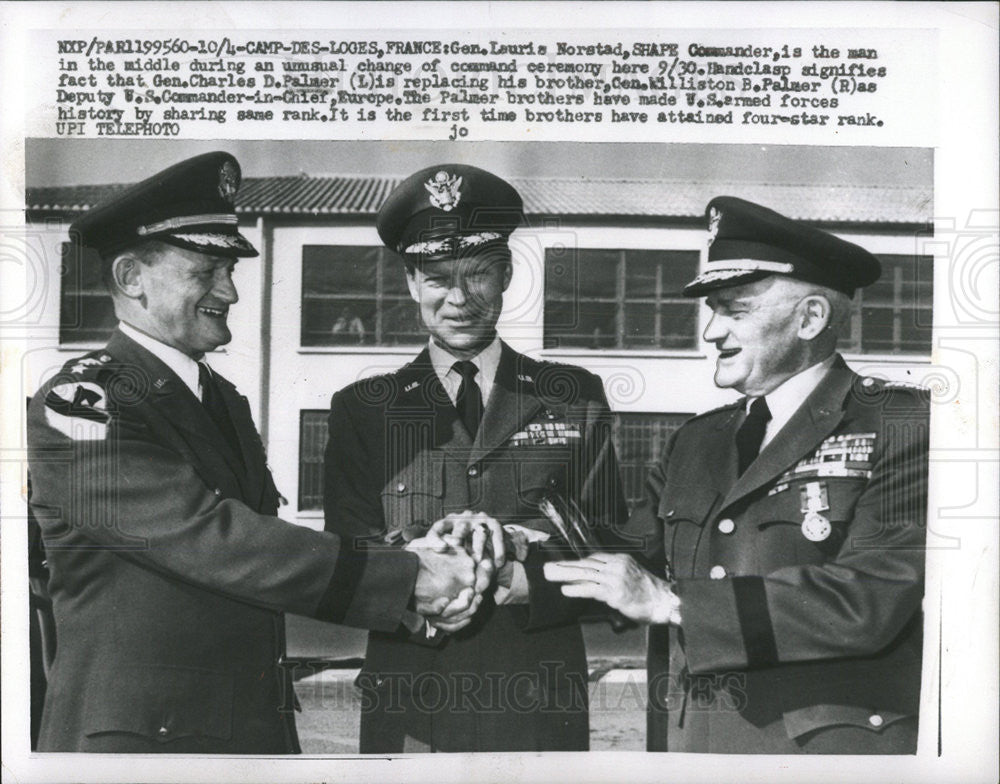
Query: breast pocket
{"type": "Point", "coordinates": [414, 498]}
{"type": "Point", "coordinates": [809, 536]}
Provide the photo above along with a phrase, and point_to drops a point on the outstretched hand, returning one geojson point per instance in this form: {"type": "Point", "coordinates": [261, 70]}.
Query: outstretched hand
{"type": "Point", "coordinates": [619, 582]}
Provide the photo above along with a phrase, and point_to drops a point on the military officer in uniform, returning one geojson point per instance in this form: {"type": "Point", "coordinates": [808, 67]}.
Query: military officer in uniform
{"type": "Point", "coordinates": [785, 532]}
{"type": "Point", "coordinates": [169, 571]}
{"type": "Point", "coordinates": [471, 424]}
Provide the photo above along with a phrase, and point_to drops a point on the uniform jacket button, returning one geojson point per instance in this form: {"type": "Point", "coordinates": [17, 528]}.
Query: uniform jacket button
{"type": "Point", "coordinates": [217, 491]}
{"type": "Point", "coordinates": [717, 572]}
{"type": "Point", "coordinates": [163, 732]}
{"type": "Point", "coordinates": [876, 720]}
{"type": "Point", "coordinates": [670, 513]}
{"type": "Point", "coordinates": [727, 526]}
{"type": "Point", "coordinates": [473, 471]}
{"type": "Point", "coordinates": [400, 488]}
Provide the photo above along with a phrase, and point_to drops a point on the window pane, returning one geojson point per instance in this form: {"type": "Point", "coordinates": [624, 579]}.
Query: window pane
{"type": "Point", "coordinates": [575, 274]}
{"type": "Point", "coordinates": [401, 323]}
{"type": "Point", "coordinates": [671, 330]}
{"type": "Point", "coordinates": [675, 268]}
{"type": "Point", "coordinates": [356, 295]}
{"type": "Point", "coordinates": [582, 325]}
{"type": "Point", "coordinates": [86, 313]}
{"type": "Point", "coordinates": [338, 322]}
{"type": "Point", "coordinates": [313, 436]}
{"type": "Point", "coordinates": [639, 441]}
{"type": "Point", "coordinates": [584, 306]}
{"type": "Point", "coordinates": [896, 310]}
{"type": "Point", "coordinates": [336, 269]}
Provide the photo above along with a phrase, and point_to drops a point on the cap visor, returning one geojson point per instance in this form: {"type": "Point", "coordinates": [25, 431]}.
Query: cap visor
{"type": "Point", "coordinates": [212, 243]}
{"type": "Point", "coordinates": [722, 279]}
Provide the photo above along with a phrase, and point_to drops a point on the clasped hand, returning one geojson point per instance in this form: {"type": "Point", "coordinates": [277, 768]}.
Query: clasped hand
{"type": "Point", "coordinates": [459, 556]}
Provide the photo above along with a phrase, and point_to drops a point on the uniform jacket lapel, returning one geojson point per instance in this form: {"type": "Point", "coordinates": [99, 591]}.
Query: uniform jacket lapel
{"type": "Point", "coordinates": [513, 403]}
{"type": "Point", "coordinates": [172, 410]}
{"type": "Point", "coordinates": [815, 419]}
{"type": "Point", "coordinates": [420, 390]}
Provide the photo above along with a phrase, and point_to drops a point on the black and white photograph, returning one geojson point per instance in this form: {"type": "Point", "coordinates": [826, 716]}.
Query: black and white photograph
{"type": "Point", "coordinates": [497, 455]}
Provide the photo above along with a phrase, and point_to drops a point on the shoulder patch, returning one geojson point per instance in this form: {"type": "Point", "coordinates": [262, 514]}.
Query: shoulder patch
{"type": "Point", "coordinates": [78, 410]}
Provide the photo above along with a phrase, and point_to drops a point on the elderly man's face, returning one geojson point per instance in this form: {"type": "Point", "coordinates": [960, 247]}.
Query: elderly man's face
{"type": "Point", "coordinates": [460, 300]}
{"type": "Point", "coordinates": [187, 298]}
{"type": "Point", "coordinates": [756, 330]}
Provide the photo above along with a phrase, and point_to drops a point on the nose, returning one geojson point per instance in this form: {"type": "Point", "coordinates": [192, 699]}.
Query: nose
{"type": "Point", "coordinates": [224, 287]}
{"type": "Point", "coordinates": [457, 295]}
{"type": "Point", "coordinates": [714, 329]}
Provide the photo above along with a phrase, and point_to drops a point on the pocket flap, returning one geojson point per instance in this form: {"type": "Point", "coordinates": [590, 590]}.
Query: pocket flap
{"type": "Point", "coordinates": [423, 476]}
{"type": "Point", "coordinates": [164, 703]}
{"type": "Point", "coordinates": [814, 717]}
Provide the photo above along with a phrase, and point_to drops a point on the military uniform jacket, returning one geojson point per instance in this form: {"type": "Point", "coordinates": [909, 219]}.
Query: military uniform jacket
{"type": "Point", "coordinates": [399, 459]}
{"type": "Point", "coordinates": [169, 572]}
{"type": "Point", "coordinates": [795, 634]}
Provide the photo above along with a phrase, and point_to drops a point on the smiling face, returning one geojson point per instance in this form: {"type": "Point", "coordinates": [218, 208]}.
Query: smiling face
{"type": "Point", "coordinates": [762, 331]}
{"type": "Point", "coordinates": [460, 300]}
{"type": "Point", "coordinates": [182, 298]}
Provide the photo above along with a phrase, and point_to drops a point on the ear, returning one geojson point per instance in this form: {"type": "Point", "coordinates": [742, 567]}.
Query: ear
{"type": "Point", "coordinates": [126, 272]}
{"type": "Point", "coordinates": [508, 272]}
{"type": "Point", "coordinates": [412, 283]}
{"type": "Point", "coordinates": [815, 314]}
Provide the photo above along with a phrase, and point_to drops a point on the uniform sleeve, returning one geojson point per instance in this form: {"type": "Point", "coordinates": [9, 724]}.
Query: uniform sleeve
{"type": "Point", "coordinates": [110, 484]}
{"type": "Point", "coordinates": [596, 487]}
{"type": "Point", "coordinates": [853, 605]}
{"type": "Point", "coordinates": [352, 476]}
{"type": "Point", "coordinates": [352, 505]}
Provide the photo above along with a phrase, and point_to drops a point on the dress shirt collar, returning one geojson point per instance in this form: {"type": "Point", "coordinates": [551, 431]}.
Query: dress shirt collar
{"type": "Point", "coordinates": [179, 362]}
{"type": "Point", "coordinates": [487, 360]}
{"type": "Point", "coordinates": [784, 401]}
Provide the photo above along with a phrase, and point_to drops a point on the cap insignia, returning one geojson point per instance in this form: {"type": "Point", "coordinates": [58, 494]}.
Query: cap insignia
{"type": "Point", "coordinates": [714, 216]}
{"type": "Point", "coordinates": [443, 190]}
{"type": "Point", "coordinates": [229, 181]}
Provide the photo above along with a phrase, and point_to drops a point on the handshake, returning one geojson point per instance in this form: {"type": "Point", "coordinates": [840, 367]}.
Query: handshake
{"type": "Point", "coordinates": [460, 557]}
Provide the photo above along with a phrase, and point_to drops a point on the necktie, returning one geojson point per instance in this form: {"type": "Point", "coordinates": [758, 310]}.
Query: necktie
{"type": "Point", "coordinates": [469, 400]}
{"type": "Point", "coordinates": [211, 399]}
{"type": "Point", "coordinates": [751, 433]}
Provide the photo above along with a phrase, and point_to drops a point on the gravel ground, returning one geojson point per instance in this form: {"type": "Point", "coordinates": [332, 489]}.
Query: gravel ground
{"type": "Point", "coordinates": [329, 720]}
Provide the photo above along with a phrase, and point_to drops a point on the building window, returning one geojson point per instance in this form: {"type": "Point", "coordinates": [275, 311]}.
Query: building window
{"type": "Point", "coordinates": [86, 313]}
{"type": "Point", "coordinates": [619, 299]}
{"type": "Point", "coordinates": [313, 435]}
{"type": "Point", "coordinates": [639, 441]}
{"type": "Point", "coordinates": [356, 295]}
{"type": "Point", "coordinates": [893, 315]}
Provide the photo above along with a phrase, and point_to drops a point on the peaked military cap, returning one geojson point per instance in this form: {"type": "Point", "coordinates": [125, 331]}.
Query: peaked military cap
{"type": "Point", "coordinates": [748, 242]}
{"type": "Point", "coordinates": [190, 205]}
{"type": "Point", "coordinates": [448, 210]}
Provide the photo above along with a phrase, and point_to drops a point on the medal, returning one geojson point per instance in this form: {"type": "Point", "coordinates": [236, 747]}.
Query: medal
{"type": "Point", "coordinates": [814, 499]}
{"type": "Point", "coordinates": [815, 527]}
